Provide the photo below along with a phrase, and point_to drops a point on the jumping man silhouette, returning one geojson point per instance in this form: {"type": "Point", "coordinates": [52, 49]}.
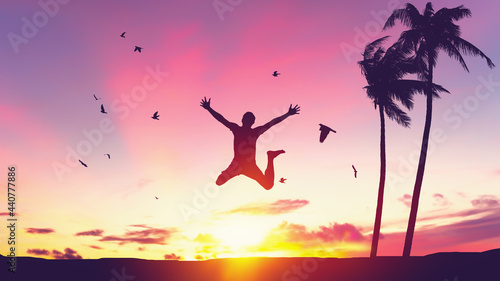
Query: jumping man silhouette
{"type": "Point", "coordinates": [245, 140]}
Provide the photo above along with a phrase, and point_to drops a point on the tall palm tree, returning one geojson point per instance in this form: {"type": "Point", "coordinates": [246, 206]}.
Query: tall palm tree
{"type": "Point", "coordinates": [429, 33]}
{"type": "Point", "coordinates": [384, 71]}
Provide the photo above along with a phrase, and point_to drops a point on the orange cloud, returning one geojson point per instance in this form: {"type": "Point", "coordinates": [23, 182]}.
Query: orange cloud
{"type": "Point", "coordinates": [332, 240]}
{"type": "Point", "coordinates": [206, 239]}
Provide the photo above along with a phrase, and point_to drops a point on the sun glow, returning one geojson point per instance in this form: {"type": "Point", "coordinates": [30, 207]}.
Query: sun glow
{"type": "Point", "coordinates": [238, 234]}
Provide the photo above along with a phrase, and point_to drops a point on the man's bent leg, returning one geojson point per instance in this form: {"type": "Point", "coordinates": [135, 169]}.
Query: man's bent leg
{"type": "Point", "coordinates": [269, 174]}
{"type": "Point", "coordinates": [233, 170]}
{"type": "Point", "coordinates": [265, 180]}
{"type": "Point", "coordinates": [256, 174]}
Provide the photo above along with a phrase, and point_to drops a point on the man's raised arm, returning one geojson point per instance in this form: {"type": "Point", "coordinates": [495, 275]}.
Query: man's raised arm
{"type": "Point", "coordinates": [291, 111]}
{"type": "Point", "coordinates": [206, 105]}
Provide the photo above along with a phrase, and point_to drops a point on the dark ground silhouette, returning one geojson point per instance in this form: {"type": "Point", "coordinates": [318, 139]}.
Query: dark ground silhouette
{"type": "Point", "coordinates": [435, 267]}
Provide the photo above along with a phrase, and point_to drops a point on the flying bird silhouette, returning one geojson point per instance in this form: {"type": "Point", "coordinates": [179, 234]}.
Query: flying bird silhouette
{"type": "Point", "coordinates": [355, 171]}
{"type": "Point", "coordinates": [96, 98]}
{"type": "Point", "coordinates": [156, 198]}
{"type": "Point", "coordinates": [325, 130]}
{"type": "Point", "coordinates": [282, 180]}
{"type": "Point", "coordinates": [123, 34]}
{"type": "Point", "coordinates": [155, 116]}
{"type": "Point", "coordinates": [109, 156]}
{"type": "Point", "coordinates": [275, 73]}
{"type": "Point", "coordinates": [138, 49]}
{"type": "Point", "coordinates": [102, 109]}
{"type": "Point", "coordinates": [85, 165]}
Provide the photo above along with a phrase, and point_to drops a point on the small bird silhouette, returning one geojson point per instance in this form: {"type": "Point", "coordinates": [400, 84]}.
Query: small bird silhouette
{"type": "Point", "coordinates": [85, 165]}
{"type": "Point", "coordinates": [355, 171]}
{"type": "Point", "coordinates": [96, 98]}
{"type": "Point", "coordinates": [325, 130]}
{"type": "Point", "coordinates": [156, 198]}
{"type": "Point", "coordinates": [155, 116]}
{"type": "Point", "coordinates": [123, 34]}
{"type": "Point", "coordinates": [102, 109]}
{"type": "Point", "coordinates": [275, 73]}
{"type": "Point", "coordinates": [282, 180]}
{"type": "Point", "coordinates": [138, 49]}
{"type": "Point", "coordinates": [109, 156]}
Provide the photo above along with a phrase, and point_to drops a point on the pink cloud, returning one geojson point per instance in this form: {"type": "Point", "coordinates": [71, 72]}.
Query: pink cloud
{"type": "Point", "coordinates": [69, 254]}
{"type": "Point", "coordinates": [334, 232]}
{"type": "Point", "coordinates": [149, 235]}
{"type": "Point", "coordinates": [38, 252]}
{"type": "Point", "coordinates": [95, 232]}
{"type": "Point", "coordinates": [7, 214]}
{"type": "Point", "coordinates": [172, 256]}
{"type": "Point", "coordinates": [439, 200]}
{"type": "Point", "coordinates": [275, 208]}
{"type": "Point", "coordinates": [39, 230]}
{"type": "Point", "coordinates": [406, 199]}
{"type": "Point", "coordinates": [485, 201]}
{"type": "Point", "coordinates": [469, 233]}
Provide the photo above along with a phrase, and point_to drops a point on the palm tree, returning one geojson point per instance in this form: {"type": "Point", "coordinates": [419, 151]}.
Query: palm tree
{"type": "Point", "coordinates": [383, 71]}
{"type": "Point", "coordinates": [429, 33]}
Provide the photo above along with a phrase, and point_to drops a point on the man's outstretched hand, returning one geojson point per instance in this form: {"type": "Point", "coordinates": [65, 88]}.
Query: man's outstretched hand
{"type": "Point", "coordinates": [205, 104]}
{"type": "Point", "coordinates": [294, 110]}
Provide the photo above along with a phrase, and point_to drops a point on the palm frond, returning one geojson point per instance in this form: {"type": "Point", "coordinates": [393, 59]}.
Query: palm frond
{"type": "Point", "coordinates": [393, 112]}
{"type": "Point", "coordinates": [428, 12]}
{"type": "Point", "coordinates": [466, 47]}
{"type": "Point", "coordinates": [369, 49]}
{"type": "Point", "coordinates": [453, 14]}
{"type": "Point", "coordinates": [453, 52]}
{"type": "Point", "coordinates": [409, 16]}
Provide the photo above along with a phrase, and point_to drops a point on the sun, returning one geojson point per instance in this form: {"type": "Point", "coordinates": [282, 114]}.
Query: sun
{"type": "Point", "coordinates": [238, 234]}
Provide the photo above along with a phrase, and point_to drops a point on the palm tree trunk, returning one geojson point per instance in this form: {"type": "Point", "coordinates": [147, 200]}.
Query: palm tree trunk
{"type": "Point", "coordinates": [381, 185]}
{"type": "Point", "coordinates": [420, 172]}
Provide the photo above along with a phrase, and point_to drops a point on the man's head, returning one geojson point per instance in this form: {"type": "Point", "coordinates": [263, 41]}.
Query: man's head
{"type": "Point", "coordinates": [248, 119]}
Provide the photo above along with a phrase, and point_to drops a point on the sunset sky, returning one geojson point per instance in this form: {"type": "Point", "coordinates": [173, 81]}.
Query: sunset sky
{"type": "Point", "coordinates": [55, 57]}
